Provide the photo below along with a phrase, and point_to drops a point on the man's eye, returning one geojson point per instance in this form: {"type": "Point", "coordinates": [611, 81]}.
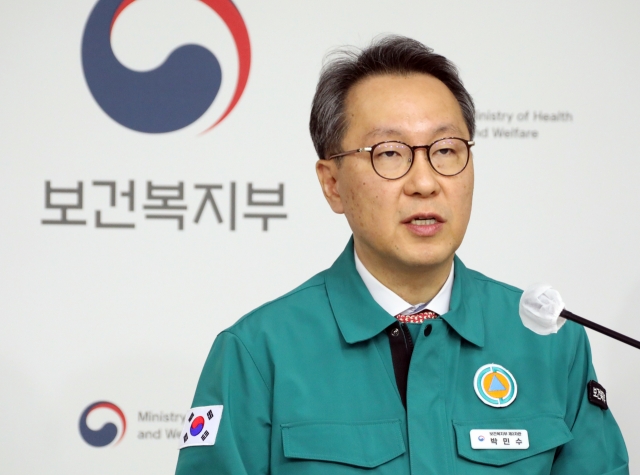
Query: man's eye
{"type": "Point", "coordinates": [445, 151]}
{"type": "Point", "coordinates": [390, 153]}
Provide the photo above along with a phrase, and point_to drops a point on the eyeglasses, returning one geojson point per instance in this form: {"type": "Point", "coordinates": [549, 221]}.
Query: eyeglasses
{"type": "Point", "coordinates": [392, 159]}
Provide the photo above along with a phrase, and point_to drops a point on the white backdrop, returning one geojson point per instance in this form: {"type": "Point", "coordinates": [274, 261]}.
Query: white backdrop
{"type": "Point", "coordinates": [127, 315]}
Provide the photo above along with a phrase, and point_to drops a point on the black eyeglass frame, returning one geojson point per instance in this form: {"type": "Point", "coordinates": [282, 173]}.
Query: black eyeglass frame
{"type": "Point", "coordinates": [468, 143]}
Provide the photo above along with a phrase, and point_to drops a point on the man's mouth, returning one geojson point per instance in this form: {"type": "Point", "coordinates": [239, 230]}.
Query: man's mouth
{"type": "Point", "coordinates": [425, 225]}
{"type": "Point", "coordinates": [424, 221]}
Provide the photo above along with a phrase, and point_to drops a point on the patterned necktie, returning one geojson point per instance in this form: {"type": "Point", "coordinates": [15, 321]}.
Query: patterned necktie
{"type": "Point", "coordinates": [417, 317]}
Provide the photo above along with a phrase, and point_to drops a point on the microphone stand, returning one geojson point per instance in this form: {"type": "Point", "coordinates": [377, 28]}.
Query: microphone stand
{"type": "Point", "coordinates": [599, 328]}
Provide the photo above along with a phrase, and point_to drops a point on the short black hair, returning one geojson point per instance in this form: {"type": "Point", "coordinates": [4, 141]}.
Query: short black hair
{"type": "Point", "coordinates": [390, 54]}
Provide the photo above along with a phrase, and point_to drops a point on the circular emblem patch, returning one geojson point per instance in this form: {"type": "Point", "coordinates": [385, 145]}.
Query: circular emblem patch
{"type": "Point", "coordinates": [495, 385]}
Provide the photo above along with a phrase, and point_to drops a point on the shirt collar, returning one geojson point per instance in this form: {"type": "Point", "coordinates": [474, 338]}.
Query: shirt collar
{"type": "Point", "coordinates": [394, 304]}
{"type": "Point", "coordinates": [360, 317]}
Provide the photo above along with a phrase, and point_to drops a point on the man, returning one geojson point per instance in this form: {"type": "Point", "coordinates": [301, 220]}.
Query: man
{"type": "Point", "coordinates": [398, 359]}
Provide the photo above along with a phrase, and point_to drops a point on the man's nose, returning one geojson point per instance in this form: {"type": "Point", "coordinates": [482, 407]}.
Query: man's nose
{"type": "Point", "coordinates": [422, 178]}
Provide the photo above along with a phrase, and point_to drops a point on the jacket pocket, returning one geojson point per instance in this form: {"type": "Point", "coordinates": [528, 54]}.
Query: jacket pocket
{"type": "Point", "coordinates": [545, 432]}
{"type": "Point", "coordinates": [363, 444]}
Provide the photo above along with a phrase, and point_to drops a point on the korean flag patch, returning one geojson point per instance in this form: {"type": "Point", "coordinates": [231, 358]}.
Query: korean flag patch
{"type": "Point", "coordinates": [201, 426]}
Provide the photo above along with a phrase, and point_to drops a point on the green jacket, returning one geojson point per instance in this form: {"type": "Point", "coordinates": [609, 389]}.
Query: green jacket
{"type": "Point", "coordinates": [307, 387]}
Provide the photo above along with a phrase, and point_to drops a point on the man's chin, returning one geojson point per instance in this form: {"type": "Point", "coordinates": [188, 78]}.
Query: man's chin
{"type": "Point", "coordinates": [426, 261]}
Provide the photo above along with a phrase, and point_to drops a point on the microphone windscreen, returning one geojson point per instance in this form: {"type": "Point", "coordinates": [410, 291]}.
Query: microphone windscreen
{"type": "Point", "coordinates": [540, 307]}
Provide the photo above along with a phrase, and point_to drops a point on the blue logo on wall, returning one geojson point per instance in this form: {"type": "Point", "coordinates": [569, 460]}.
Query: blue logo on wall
{"type": "Point", "coordinates": [108, 432]}
{"type": "Point", "coordinates": [171, 96]}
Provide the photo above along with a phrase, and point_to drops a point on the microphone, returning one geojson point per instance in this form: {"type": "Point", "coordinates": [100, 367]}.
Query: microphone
{"type": "Point", "coordinates": [542, 311]}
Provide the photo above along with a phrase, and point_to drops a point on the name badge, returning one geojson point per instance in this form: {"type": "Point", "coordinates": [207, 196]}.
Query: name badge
{"type": "Point", "coordinates": [501, 439]}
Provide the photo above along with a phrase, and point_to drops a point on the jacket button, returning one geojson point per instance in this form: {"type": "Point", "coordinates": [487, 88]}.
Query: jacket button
{"type": "Point", "coordinates": [427, 330]}
{"type": "Point", "coordinates": [395, 332]}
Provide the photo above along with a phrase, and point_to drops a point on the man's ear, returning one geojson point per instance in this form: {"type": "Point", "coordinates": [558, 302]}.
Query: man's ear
{"type": "Point", "coordinates": [328, 174]}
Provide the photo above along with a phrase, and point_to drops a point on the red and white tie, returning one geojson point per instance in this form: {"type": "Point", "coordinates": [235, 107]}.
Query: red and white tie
{"type": "Point", "coordinates": [417, 317]}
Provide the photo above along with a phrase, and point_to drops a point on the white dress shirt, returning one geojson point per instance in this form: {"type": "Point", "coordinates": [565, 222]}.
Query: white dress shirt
{"type": "Point", "coordinates": [396, 305]}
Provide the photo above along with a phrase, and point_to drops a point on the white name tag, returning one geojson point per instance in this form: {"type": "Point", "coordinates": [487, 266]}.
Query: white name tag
{"type": "Point", "coordinates": [502, 439]}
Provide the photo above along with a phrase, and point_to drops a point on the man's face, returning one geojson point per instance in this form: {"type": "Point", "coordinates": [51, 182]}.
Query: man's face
{"type": "Point", "coordinates": [419, 219]}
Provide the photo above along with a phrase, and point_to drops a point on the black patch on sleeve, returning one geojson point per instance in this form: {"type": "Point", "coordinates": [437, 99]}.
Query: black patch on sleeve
{"type": "Point", "coordinates": [597, 394]}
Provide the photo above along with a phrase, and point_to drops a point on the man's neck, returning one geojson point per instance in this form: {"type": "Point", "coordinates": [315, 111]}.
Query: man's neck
{"type": "Point", "coordinates": [413, 283]}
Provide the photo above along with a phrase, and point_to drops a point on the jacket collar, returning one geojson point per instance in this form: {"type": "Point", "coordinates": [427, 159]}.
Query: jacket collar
{"type": "Point", "coordinates": [465, 314]}
{"type": "Point", "coordinates": [360, 318]}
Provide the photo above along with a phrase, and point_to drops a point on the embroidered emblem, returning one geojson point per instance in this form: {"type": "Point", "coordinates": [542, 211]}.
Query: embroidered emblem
{"type": "Point", "coordinates": [495, 385]}
{"type": "Point", "coordinates": [597, 394]}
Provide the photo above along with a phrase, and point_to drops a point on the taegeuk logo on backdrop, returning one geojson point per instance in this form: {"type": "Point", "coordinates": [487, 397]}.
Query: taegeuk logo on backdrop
{"type": "Point", "coordinates": [108, 432]}
{"type": "Point", "coordinates": [171, 96]}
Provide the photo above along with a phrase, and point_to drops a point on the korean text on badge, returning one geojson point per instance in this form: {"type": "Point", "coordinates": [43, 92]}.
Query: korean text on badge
{"type": "Point", "coordinates": [500, 439]}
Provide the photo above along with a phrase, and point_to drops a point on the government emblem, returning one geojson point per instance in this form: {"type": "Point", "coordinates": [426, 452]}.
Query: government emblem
{"type": "Point", "coordinates": [495, 385]}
